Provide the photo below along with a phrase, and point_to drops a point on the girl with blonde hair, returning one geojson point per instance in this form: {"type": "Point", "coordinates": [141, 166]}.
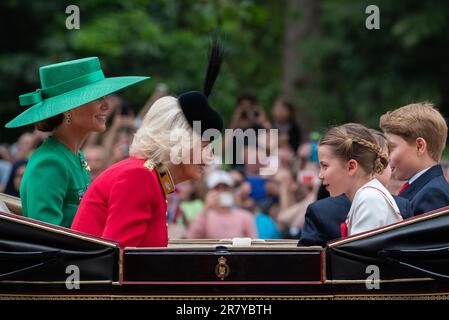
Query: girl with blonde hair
{"type": "Point", "coordinates": [349, 158]}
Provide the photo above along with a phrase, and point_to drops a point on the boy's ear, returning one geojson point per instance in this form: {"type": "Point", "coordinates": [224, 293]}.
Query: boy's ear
{"type": "Point", "coordinates": [421, 145]}
{"type": "Point", "coordinates": [352, 166]}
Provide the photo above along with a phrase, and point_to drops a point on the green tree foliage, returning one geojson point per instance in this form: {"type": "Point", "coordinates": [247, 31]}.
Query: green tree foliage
{"type": "Point", "coordinates": [167, 40]}
{"type": "Point", "coordinates": [350, 73]}
{"type": "Point", "coordinates": [357, 74]}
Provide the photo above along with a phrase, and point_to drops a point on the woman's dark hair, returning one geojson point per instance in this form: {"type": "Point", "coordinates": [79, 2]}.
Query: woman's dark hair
{"type": "Point", "coordinates": [290, 107]}
{"type": "Point", "coordinates": [50, 124]}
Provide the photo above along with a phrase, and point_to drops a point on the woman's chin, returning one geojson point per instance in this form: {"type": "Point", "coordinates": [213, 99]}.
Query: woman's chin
{"type": "Point", "coordinates": [101, 128]}
{"type": "Point", "coordinates": [98, 128]}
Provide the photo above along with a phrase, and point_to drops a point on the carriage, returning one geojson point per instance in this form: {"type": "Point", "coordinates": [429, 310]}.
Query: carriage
{"type": "Point", "coordinates": [407, 260]}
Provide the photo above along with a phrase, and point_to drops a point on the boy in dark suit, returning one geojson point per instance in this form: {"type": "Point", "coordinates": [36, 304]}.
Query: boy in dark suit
{"type": "Point", "coordinates": [417, 137]}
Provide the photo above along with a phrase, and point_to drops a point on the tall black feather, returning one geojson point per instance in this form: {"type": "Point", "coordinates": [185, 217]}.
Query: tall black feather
{"type": "Point", "coordinates": [216, 55]}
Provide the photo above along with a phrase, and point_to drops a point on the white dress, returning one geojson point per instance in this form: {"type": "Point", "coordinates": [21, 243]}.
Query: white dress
{"type": "Point", "coordinates": [373, 207]}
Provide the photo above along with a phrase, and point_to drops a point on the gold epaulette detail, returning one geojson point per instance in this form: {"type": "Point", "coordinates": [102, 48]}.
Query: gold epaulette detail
{"type": "Point", "coordinates": [149, 164]}
{"type": "Point", "coordinates": [165, 179]}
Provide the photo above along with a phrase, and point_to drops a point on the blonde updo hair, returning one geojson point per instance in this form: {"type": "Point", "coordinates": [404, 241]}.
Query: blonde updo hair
{"type": "Point", "coordinates": [355, 141]}
{"type": "Point", "coordinates": [153, 139]}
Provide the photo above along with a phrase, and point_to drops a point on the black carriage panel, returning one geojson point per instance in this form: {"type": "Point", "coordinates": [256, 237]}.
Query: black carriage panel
{"type": "Point", "coordinates": [31, 251]}
{"type": "Point", "coordinates": [414, 251]}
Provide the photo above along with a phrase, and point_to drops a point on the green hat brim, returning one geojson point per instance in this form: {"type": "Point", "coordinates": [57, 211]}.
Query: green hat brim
{"type": "Point", "coordinates": [72, 99]}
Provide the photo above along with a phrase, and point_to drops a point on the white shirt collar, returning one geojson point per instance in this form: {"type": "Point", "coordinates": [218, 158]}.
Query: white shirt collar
{"type": "Point", "coordinates": [416, 176]}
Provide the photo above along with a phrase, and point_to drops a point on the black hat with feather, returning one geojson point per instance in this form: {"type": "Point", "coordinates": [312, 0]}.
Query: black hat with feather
{"type": "Point", "coordinates": [195, 105]}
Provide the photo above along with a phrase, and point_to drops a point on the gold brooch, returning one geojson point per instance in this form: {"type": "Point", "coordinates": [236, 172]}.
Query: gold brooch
{"type": "Point", "coordinates": [165, 180]}
{"type": "Point", "coordinates": [222, 269]}
{"type": "Point", "coordinates": [85, 165]}
{"type": "Point", "coordinates": [149, 164]}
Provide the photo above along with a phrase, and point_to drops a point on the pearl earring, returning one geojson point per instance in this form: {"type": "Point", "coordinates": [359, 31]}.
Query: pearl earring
{"type": "Point", "coordinates": [68, 118]}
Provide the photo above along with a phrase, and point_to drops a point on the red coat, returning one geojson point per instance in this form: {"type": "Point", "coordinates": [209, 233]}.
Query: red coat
{"type": "Point", "coordinates": [127, 204]}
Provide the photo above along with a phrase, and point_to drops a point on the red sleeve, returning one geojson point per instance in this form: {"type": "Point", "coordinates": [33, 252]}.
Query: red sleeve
{"type": "Point", "coordinates": [131, 206]}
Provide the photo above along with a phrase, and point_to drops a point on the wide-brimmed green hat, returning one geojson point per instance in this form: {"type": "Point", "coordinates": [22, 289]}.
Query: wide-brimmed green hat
{"type": "Point", "coordinates": [65, 86]}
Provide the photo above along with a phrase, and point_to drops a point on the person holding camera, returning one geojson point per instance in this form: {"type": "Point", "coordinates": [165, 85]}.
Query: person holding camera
{"type": "Point", "coordinates": [248, 113]}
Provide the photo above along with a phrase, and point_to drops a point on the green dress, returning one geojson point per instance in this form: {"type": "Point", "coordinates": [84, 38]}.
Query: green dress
{"type": "Point", "coordinates": [54, 182]}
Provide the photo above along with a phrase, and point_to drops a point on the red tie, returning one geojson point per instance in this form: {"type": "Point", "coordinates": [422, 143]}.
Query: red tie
{"type": "Point", "coordinates": [343, 230]}
{"type": "Point", "coordinates": [403, 187]}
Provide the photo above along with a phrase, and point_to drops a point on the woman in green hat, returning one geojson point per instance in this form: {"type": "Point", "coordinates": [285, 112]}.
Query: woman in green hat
{"type": "Point", "coordinates": [70, 104]}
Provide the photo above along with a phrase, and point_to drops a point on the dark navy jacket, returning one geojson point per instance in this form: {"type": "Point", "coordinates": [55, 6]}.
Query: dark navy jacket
{"type": "Point", "coordinates": [429, 192]}
{"type": "Point", "coordinates": [323, 219]}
